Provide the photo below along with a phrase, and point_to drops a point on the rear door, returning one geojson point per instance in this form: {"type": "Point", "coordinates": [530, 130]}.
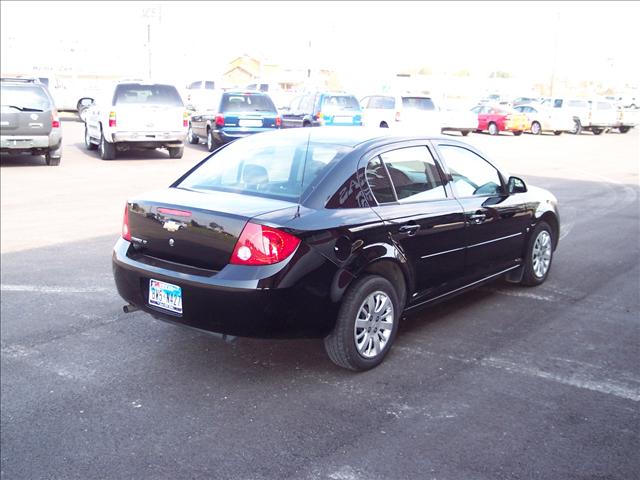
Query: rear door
{"type": "Point", "coordinates": [148, 108]}
{"type": "Point", "coordinates": [496, 222]}
{"type": "Point", "coordinates": [422, 218]}
{"type": "Point", "coordinates": [26, 110]}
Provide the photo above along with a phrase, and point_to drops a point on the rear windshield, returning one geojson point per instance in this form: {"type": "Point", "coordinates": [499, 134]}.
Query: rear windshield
{"type": "Point", "coordinates": [232, 102]}
{"type": "Point", "coordinates": [24, 97]}
{"type": "Point", "coordinates": [347, 102]}
{"type": "Point", "coordinates": [138, 94]}
{"type": "Point", "coordinates": [261, 165]}
{"type": "Point", "coordinates": [387, 103]}
{"type": "Point", "coordinates": [418, 103]}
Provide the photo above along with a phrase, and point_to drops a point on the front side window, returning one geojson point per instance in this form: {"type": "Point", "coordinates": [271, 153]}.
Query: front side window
{"type": "Point", "coordinates": [414, 174]}
{"type": "Point", "coordinates": [195, 85]}
{"type": "Point", "coordinates": [472, 175]}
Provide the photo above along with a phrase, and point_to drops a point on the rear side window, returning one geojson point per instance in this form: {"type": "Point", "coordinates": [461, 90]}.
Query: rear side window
{"type": "Point", "coordinates": [347, 102]}
{"type": "Point", "coordinates": [27, 97]}
{"type": "Point", "coordinates": [386, 103]}
{"type": "Point", "coordinates": [246, 103]}
{"type": "Point", "coordinates": [268, 167]}
{"type": "Point", "coordinates": [418, 103]}
{"type": "Point", "coordinates": [379, 182]}
{"type": "Point", "coordinates": [414, 174]}
{"type": "Point", "coordinates": [135, 93]}
{"type": "Point", "coordinates": [209, 85]}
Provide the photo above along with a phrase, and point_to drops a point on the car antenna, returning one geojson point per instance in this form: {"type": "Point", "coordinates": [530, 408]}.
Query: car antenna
{"type": "Point", "coordinates": [304, 167]}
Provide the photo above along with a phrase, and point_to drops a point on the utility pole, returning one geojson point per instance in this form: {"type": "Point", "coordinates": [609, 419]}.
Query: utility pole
{"type": "Point", "coordinates": [555, 53]}
{"type": "Point", "coordinates": [153, 17]}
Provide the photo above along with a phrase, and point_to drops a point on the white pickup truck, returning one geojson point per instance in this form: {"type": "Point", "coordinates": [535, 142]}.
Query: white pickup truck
{"type": "Point", "coordinates": [137, 115]}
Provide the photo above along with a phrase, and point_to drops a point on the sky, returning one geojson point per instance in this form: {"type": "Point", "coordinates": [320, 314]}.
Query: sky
{"type": "Point", "coordinates": [192, 40]}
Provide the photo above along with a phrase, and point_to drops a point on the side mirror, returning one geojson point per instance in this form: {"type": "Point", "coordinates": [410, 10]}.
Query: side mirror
{"type": "Point", "coordinates": [516, 185]}
{"type": "Point", "coordinates": [86, 102]}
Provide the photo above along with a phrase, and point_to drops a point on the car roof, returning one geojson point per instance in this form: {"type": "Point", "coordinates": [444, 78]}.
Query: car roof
{"type": "Point", "coordinates": [348, 136]}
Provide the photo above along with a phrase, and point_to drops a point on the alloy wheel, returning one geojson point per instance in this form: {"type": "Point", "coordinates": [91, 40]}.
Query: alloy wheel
{"type": "Point", "coordinates": [541, 254]}
{"type": "Point", "coordinates": [374, 324]}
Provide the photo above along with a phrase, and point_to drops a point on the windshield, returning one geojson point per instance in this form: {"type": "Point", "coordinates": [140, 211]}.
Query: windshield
{"type": "Point", "coordinates": [264, 165]}
{"type": "Point", "coordinates": [418, 103]}
{"type": "Point", "coordinates": [138, 94]}
{"type": "Point", "coordinates": [340, 102]}
{"type": "Point", "coordinates": [24, 97]}
{"type": "Point", "coordinates": [247, 103]}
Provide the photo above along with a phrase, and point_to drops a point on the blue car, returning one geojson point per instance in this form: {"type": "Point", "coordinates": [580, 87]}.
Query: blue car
{"type": "Point", "coordinates": [231, 115]}
{"type": "Point", "coordinates": [323, 109]}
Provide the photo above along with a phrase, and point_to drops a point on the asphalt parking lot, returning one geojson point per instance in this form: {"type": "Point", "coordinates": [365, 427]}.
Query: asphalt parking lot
{"type": "Point", "coordinates": [500, 383]}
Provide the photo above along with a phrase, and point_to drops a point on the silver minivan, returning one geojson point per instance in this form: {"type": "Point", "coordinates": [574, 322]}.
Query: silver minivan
{"type": "Point", "coordinates": [29, 121]}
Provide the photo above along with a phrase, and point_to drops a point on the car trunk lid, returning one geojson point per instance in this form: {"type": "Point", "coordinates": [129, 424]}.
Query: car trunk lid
{"type": "Point", "coordinates": [199, 229]}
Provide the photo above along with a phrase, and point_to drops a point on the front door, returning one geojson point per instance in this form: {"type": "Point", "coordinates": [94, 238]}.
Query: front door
{"type": "Point", "coordinates": [496, 222]}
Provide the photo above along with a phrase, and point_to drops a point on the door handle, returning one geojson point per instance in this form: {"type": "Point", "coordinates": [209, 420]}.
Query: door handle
{"type": "Point", "coordinates": [477, 217]}
{"type": "Point", "coordinates": [409, 229]}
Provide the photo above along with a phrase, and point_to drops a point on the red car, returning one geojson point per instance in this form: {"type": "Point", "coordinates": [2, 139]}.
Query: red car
{"type": "Point", "coordinates": [496, 120]}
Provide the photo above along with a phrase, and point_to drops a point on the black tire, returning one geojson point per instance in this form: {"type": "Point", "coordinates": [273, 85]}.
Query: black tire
{"type": "Point", "coordinates": [517, 133]}
{"type": "Point", "coordinates": [493, 129]}
{"type": "Point", "coordinates": [530, 277]}
{"type": "Point", "coordinates": [306, 124]}
{"type": "Point", "coordinates": [107, 149]}
{"type": "Point", "coordinates": [384, 125]}
{"type": "Point", "coordinates": [340, 344]}
{"type": "Point", "coordinates": [211, 142]}
{"type": "Point", "coordinates": [557, 132]}
{"type": "Point", "coordinates": [52, 161]}
{"type": "Point", "coordinates": [87, 140]}
{"type": "Point", "coordinates": [536, 128]}
{"type": "Point", "coordinates": [577, 127]}
{"type": "Point", "coordinates": [597, 131]}
{"type": "Point", "coordinates": [465, 132]}
{"type": "Point", "coordinates": [176, 152]}
{"type": "Point", "coordinates": [191, 137]}
{"type": "Point", "coordinates": [624, 129]}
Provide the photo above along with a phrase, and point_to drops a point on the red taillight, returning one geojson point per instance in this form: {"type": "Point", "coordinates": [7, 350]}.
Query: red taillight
{"type": "Point", "coordinates": [278, 122]}
{"type": "Point", "coordinates": [261, 245]}
{"type": "Point", "coordinates": [55, 119]}
{"type": "Point", "coordinates": [126, 234]}
{"type": "Point", "coordinates": [112, 119]}
{"type": "Point", "coordinates": [219, 120]}
{"type": "Point", "coordinates": [185, 119]}
{"type": "Point", "coordinates": [397, 116]}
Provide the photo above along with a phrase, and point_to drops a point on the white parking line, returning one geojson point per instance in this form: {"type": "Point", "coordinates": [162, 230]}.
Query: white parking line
{"type": "Point", "coordinates": [53, 289]}
{"type": "Point", "coordinates": [579, 380]}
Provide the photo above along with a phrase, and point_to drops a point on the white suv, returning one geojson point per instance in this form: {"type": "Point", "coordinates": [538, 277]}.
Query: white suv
{"type": "Point", "coordinates": [415, 112]}
{"type": "Point", "coordinates": [137, 115]}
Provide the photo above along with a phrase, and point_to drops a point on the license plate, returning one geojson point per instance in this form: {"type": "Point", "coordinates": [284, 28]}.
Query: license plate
{"type": "Point", "coordinates": [165, 295]}
{"type": "Point", "coordinates": [342, 120]}
{"type": "Point", "coordinates": [250, 123]}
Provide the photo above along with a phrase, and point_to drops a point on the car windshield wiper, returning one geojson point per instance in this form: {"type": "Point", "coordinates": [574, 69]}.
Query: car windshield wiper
{"type": "Point", "coordinates": [24, 109]}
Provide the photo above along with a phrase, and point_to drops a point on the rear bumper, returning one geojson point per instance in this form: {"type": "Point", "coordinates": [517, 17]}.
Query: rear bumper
{"type": "Point", "coordinates": [228, 135]}
{"type": "Point", "coordinates": [159, 138]}
{"type": "Point", "coordinates": [16, 143]}
{"type": "Point", "coordinates": [264, 302]}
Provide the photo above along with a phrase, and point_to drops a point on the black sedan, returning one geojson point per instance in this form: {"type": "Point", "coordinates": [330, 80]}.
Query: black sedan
{"type": "Point", "coordinates": [330, 233]}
